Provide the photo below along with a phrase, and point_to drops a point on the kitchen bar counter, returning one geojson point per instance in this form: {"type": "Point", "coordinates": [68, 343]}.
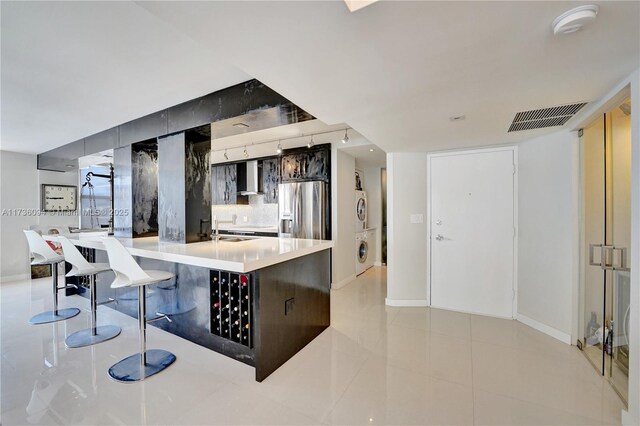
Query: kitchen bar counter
{"type": "Point", "coordinates": [258, 301]}
{"type": "Point", "coordinates": [242, 256]}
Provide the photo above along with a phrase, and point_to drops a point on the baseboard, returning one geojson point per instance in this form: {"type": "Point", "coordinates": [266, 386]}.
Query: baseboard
{"type": "Point", "coordinates": [628, 420]}
{"type": "Point", "coordinates": [543, 328]}
{"type": "Point", "coordinates": [405, 302]}
{"type": "Point", "coordinates": [342, 283]}
{"type": "Point", "coordinates": [18, 277]}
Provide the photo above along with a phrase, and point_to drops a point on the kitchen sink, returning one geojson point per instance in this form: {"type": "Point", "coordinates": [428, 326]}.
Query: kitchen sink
{"type": "Point", "coordinates": [234, 239]}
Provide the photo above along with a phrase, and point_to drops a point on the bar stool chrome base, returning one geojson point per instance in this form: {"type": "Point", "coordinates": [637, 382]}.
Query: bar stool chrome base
{"type": "Point", "coordinates": [51, 316]}
{"type": "Point", "coordinates": [86, 337]}
{"type": "Point", "coordinates": [131, 369]}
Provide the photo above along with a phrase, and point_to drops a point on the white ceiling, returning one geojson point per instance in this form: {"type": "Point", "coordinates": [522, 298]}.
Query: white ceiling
{"type": "Point", "coordinates": [394, 71]}
{"type": "Point", "coordinates": [72, 69]}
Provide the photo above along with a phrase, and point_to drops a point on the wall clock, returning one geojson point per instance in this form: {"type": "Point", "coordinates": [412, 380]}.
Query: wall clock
{"type": "Point", "coordinates": [56, 198]}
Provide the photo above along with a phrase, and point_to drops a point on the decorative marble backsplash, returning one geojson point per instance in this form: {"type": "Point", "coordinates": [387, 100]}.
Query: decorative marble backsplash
{"type": "Point", "coordinates": [257, 212]}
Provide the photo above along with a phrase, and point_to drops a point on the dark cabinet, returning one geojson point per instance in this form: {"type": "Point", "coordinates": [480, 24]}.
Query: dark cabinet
{"type": "Point", "coordinates": [307, 165]}
{"type": "Point", "coordinates": [270, 179]}
{"type": "Point", "coordinates": [224, 185]}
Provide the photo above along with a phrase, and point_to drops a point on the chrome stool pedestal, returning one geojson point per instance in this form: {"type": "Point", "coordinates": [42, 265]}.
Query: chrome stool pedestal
{"type": "Point", "coordinates": [145, 363]}
{"type": "Point", "coordinates": [80, 267]}
{"type": "Point", "coordinates": [95, 334]}
{"type": "Point", "coordinates": [44, 255]}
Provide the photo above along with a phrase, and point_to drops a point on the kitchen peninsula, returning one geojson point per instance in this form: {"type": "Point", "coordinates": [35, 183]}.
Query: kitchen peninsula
{"type": "Point", "coordinates": [257, 300]}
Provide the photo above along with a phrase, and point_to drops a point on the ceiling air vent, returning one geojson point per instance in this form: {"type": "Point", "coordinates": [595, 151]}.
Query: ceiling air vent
{"type": "Point", "coordinates": [545, 117]}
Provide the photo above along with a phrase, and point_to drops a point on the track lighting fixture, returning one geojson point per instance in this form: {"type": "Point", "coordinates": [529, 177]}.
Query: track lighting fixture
{"type": "Point", "coordinates": [279, 148]}
{"type": "Point", "coordinates": [346, 137]}
{"type": "Point", "coordinates": [226, 157]}
{"type": "Point", "coordinates": [310, 144]}
{"type": "Point", "coordinates": [246, 154]}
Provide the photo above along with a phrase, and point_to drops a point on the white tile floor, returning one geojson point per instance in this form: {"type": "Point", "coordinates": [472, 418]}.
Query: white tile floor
{"type": "Point", "coordinates": [376, 365]}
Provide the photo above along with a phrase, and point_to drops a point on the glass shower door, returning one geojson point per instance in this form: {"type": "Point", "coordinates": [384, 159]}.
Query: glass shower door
{"type": "Point", "coordinates": [606, 238]}
{"type": "Point", "coordinates": [619, 233]}
{"type": "Point", "coordinates": [593, 239]}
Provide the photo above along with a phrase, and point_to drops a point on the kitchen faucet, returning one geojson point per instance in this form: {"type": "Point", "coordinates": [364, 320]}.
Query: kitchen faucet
{"type": "Point", "coordinates": [215, 233]}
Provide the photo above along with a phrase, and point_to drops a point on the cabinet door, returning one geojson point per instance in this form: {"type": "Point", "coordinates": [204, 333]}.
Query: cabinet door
{"type": "Point", "coordinates": [231, 184]}
{"type": "Point", "coordinates": [270, 179]}
{"type": "Point", "coordinates": [306, 166]}
{"type": "Point", "coordinates": [218, 185]}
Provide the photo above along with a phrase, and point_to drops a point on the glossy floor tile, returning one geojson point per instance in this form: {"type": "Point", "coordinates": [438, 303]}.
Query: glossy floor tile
{"type": "Point", "coordinates": [375, 365]}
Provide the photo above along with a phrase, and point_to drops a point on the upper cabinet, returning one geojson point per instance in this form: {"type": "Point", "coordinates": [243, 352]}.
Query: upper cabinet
{"type": "Point", "coordinates": [306, 165]}
{"type": "Point", "coordinates": [270, 179]}
{"type": "Point", "coordinates": [224, 185]}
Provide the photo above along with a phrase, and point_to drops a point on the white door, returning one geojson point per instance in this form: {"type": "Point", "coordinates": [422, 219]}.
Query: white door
{"type": "Point", "coordinates": [472, 232]}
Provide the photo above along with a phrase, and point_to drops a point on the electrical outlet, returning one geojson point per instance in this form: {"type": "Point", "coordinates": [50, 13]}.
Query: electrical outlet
{"type": "Point", "coordinates": [288, 305]}
{"type": "Point", "coordinates": [245, 219]}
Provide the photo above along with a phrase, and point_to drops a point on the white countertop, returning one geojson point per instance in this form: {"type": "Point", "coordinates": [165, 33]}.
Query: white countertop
{"type": "Point", "coordinates": [243, 256]}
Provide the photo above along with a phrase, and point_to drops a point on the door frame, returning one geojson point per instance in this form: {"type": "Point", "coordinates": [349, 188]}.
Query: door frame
{"type": "Point", "coordinates": [514, 150]}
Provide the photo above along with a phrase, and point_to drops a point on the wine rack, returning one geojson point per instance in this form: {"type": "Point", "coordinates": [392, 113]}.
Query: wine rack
{"type": "Point", "coordinates": [231, 315]}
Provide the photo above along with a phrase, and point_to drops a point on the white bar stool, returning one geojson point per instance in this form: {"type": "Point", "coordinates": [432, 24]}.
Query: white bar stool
{"type": "Point", "coordinates": [146, 363]}
{"type": "Point", "coordinates": [44, 255]}
{"type": "Point", "coordinates": [80, 267]}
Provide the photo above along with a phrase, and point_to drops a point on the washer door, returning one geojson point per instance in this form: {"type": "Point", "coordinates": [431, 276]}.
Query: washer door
{"type": "Point", "coordinates": [363, 249]}
{"type": "Point", "coordinates": [361, 209]}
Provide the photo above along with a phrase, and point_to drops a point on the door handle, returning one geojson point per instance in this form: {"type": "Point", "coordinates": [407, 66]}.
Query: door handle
{"type": "Point", "coordinates": [621, 264]}
{"type": "Point", "coordinates": [611, 257]}
{"type": "Point", "coordinates": [439, 237]}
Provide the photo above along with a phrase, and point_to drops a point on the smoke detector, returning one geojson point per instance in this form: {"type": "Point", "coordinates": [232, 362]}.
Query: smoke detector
{"type": "Point", "coordinates": [574, 19]}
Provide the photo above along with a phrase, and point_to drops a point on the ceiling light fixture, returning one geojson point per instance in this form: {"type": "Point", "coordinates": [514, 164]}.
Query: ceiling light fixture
{"type": "Point", "coordinates": [575, 19]}
{"type": "Point", "coordinates": [279, 148]}
{"type": "Point", "coordinates": [310, 144]}
{"type": "Point", "coordinates": [226, 157]}
{"type": "Point", "coordinates": [245, 153]}
{"type": "Point", "coordinates": [371, 149]}
{"type": "Point", "coordinates": [346, 137]}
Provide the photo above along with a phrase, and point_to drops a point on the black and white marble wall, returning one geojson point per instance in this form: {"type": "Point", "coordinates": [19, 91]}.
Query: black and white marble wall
{"type": "Point", "coordinates": [136, 190]}
{"type": "Point", "coordinates": [185, 186]}
{"type": "Point", "coordinates": [144, 184]}
{"type": "Point", "coordinates": [197, 189]}
{"type": "Point", "coordinates": [122, 192]}
{"type": "Point", "coordinates": [171, 188]}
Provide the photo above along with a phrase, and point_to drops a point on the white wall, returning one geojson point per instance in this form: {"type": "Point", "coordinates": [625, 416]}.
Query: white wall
{"type": "Point", "coordinates": [406, 242]}
{"type": "Point", "coordinates": [60, 178]}
{"type": "Point", "coordinates": [18, 190]}
{"type": "Point", "coordinates": [343, 224]}
{"type": "Point", "coordinates": [20, 182]}
{"type": "Point", "coordinates": [548, 218]}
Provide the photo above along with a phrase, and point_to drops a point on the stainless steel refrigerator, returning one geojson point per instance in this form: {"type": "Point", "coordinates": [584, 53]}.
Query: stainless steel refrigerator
{"type": "Point", "coordinates": [302, 210]}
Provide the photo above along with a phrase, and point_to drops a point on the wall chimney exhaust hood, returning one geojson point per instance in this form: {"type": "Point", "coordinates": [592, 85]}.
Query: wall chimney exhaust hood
{"type": "Point", "coordinates": [249, 178]}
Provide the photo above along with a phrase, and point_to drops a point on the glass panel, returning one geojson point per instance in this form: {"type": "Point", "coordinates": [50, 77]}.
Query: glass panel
{"type": "Point", "coordinates": [619, 236]}
{"type": "Point", "coordinates": [593, 233]}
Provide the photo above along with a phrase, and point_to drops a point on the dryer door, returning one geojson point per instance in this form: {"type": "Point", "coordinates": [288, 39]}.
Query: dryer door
{"type": "Point", "coordinates": [361, 209]}
{"type": "Point", "coordinates": [363, 249]}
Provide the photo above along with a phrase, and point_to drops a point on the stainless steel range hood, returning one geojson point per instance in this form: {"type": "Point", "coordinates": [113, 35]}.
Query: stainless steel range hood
{"type": "Point", "coordinates": [249, 178]}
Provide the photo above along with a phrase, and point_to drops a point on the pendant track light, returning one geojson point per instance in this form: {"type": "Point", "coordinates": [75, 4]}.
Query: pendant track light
{"type": "Point", "coordinates": [279, 149]}
{"type": "Point", "coordinates": [346, 137]}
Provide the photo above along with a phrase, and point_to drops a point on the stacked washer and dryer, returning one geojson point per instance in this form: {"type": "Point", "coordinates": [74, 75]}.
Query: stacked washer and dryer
{"type": "Point", "coordinates": [364, 259]}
